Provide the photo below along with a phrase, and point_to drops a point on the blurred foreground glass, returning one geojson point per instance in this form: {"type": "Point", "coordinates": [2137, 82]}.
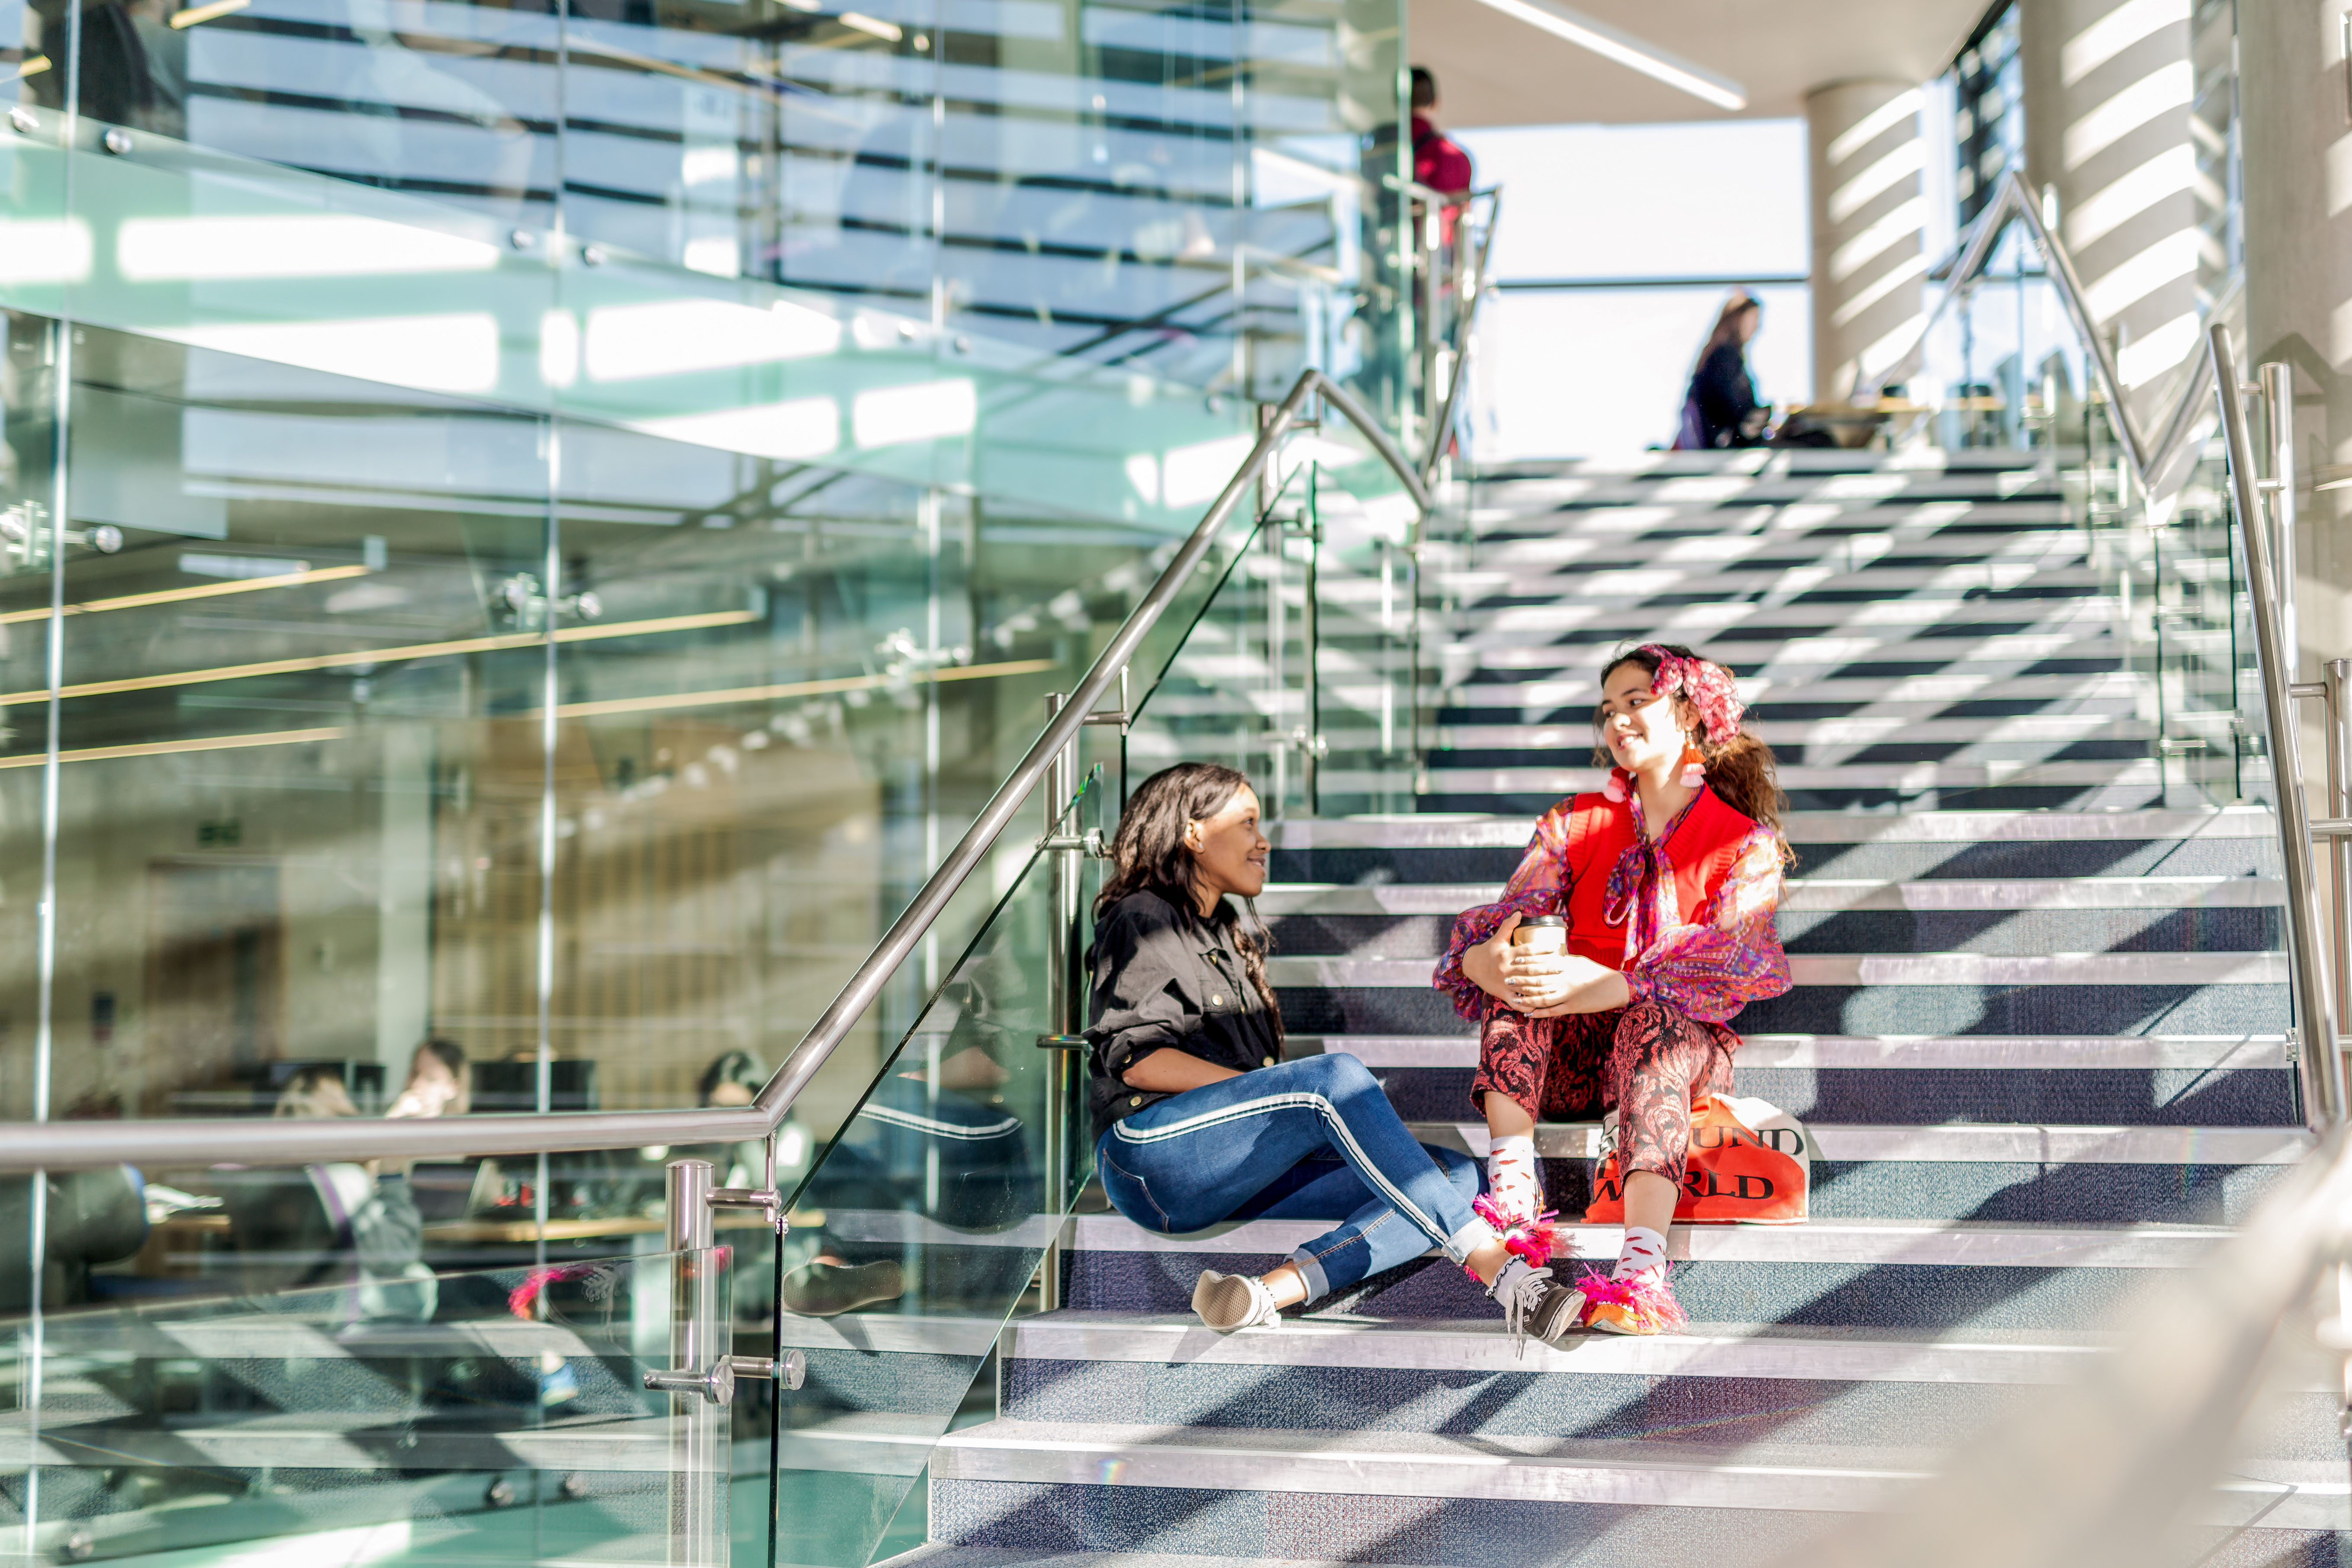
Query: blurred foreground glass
{"type": "Point", "coordinates": [390, 1415]}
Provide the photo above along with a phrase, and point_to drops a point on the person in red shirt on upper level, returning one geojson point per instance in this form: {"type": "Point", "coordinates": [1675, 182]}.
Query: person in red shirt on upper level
{"type": "Point", "coordinates": [1438, 161]}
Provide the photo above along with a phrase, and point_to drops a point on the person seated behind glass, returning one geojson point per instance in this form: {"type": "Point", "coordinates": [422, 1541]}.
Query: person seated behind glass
{"type": "Point", "coordinates": [332, 1224]}
{"type": "Point", "coordinates": [437, 1085]}
{"type": "Point", "coordinates": [735, 1078]}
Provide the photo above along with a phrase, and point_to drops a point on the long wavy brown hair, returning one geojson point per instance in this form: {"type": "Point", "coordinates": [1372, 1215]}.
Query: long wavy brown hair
{"type": "Point", "coordinates": [1727, 325]}
{"type": "Point", "coordinates": [1742, 769]}
{"type": "Point", "coordinates": [1149, 856]}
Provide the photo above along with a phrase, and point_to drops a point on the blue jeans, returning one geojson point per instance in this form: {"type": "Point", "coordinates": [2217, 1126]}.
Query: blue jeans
{"type": "Point", "coordinates": [1309, 1139]}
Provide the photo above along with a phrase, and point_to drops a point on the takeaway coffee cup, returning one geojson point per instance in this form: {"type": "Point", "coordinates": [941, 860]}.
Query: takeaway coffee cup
{"type": "Point", "coordinates": [1541, 934]}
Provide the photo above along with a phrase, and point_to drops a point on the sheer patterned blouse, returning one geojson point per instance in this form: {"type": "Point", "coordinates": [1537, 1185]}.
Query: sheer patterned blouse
{"type": "Point", "coordinates": [1726, 958]}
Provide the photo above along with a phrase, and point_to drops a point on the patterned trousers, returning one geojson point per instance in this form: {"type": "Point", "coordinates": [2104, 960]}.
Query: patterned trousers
{"type": "Point", "coordinates": [1648, 1063]}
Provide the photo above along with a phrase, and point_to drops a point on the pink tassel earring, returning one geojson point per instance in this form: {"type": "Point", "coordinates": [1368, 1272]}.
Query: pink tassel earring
{"type": "Point", "coordinates": [1694, 767]}
{"type": "Point", "coordinates": [1614, 787]}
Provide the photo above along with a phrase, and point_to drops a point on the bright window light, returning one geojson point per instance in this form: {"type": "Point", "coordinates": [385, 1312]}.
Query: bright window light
{"type": "Point", "coordinates": [1190, 475]}
{"type": "Point", "coordinates": [926, 411]}
{"type": "Point", "coordinates": [178, 250]}
{"type": "Point", "coordinates": [707, 166]}
{"type": "Point", "coordinates": [1143, 472]}
{"type": "Point", "coordinates": [455, 353]}
{"type": "Point", "coordinates": [1906, 160]}
{"type": "Point", "coordinates": [1875, 124]}
{"type": "Point", "coordinates": [2156, 351]}
{"type": "Point", "coordinates": [714, 256]}
{"type": "Point", "coordinates": [198, 15]}
{"type": "Point", "coordinates": [2103, 211]}
{"type": "Point", "coordinates": [792, 431]}
{"type": "Point", "coordinates": [1626, 51]}
{"type": "Point", "coordinates": [2173, 257]}
{"type": "Point", "coordinates": [2117, 31]}
{"type": "Point", "coordinates": [559, 347]}
{"type": "Point", "coordinates": [675, 337]}
{"type": "Point", "coordinates": [43, 250]}
{"type": "Point", "coordinates": [889, 32]}
{"type": "Point", "coordinates": [2160, 91]}
{"type": "Point", "coordinates": [195, 564]}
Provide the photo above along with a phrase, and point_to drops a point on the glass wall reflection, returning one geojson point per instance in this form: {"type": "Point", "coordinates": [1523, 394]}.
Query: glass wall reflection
{"type": "Point", "coordinates": [317, 635]}
{"type": "Point", "coordinates": [525, 532]}
{"type": "Point", "coordinates": [1183, 189]}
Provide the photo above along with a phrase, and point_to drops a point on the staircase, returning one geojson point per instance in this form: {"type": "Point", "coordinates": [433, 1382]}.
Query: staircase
{"type": "Point", "coordinates": [2037, 1032]}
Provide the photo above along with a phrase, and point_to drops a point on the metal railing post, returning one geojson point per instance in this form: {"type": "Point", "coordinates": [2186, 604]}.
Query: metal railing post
{"type": "Point", "coordinates": [2337, 693]}
{"type": "Point", "coordinates": [1310, 634]}
{"type": "Point", "coordinates": [2319, 1062]}
{"type": "Point", "coordinates": [1062, 1015]}
{"type": "Point", "coordinates": [2278, 429]}
{"type": "Point", "coordinates": [698, 1469]}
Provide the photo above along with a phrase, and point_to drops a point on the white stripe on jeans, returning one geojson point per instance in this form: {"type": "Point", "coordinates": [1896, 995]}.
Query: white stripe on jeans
{"type": "Point", "coordinates": [1126, 1131]}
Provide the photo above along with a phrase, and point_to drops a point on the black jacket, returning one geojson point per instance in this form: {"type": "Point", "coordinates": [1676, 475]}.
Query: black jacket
{"type": "Point", "coordinates": [1164, 976]}
{"type": "Point", "coordinates": [1726, 396]}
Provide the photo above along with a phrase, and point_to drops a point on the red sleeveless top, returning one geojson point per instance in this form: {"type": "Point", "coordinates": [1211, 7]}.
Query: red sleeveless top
{"type": "Point", "coordinates": [1701, 849]}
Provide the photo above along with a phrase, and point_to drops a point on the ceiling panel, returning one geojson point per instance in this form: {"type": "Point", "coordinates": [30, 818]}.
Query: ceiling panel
{"type": "Point", "coordinates": [1495, 70]}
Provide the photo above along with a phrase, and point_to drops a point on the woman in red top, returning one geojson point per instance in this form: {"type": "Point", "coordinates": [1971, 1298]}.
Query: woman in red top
{"type": "Point", "coordinates": [1668, 877]}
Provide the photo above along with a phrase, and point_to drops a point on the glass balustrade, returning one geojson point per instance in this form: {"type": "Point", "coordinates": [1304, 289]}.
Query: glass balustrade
{"type": "Point", "coordinates": [924, 1223]}
{"type": "Point", "coordinates": [348, 1407]}
{"type": "Point", "coordinates": [1296, 658]}
{"type": "Point", "coordinates": [2003, 369]}
{"type": "Point", "coordinates": [411, 1361]}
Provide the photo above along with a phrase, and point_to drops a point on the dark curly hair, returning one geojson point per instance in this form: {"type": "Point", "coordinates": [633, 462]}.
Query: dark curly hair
{"type": "Point", "coordinates": [1149, 855]}
{"type": "Point", "coordinates": [1742, 769]}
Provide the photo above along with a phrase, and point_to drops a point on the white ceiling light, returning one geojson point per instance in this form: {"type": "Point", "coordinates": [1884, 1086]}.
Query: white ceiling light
{"type": "Point", "coordinates": [1626, 51]}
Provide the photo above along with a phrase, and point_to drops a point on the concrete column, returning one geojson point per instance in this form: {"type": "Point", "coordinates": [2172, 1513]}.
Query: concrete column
{"type": "Point", "coordinates": [2296, 124]}
{"type": "Point", "coordinates": [1870, 217]}
{"type": "Point", "coordinates": [2110, 95]}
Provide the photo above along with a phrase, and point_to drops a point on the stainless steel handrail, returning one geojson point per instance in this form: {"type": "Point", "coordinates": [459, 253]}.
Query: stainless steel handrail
{"type": "Point", "coordinates": [65, 1146]}
{"type": "Point", "coordinates": [1466, 318]}
{"type": "Point", "coordinates": [2149, 458]}
{"type": "Point", "coordinates": [2152, 459]}
{"type": "Point", "coordinates": [2320, 1062]}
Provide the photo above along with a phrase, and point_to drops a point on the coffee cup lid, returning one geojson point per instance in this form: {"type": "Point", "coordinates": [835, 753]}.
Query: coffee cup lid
{"type": "Point", "coordinates": [1540, 920]}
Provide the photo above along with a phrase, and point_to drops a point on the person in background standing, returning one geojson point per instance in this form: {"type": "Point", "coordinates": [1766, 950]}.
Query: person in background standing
{"type": "Point", "coordinates": [1721, 409]}
{"type": "Point", "coordinates": [1438, 161]}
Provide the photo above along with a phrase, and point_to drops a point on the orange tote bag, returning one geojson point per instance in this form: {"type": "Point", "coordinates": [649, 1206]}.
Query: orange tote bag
{"type": "Point", "coordinates": [1750, 1164]}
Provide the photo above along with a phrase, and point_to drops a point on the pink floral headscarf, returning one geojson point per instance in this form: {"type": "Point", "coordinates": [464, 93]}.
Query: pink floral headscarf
{"type": "Point", "coordinates": [1706, 684]}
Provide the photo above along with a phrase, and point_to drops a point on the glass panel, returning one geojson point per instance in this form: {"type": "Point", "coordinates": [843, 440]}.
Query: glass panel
{"type": "Point", "coordinates": [301, 777]}
{"type": "Point", "coordinates": [275, 1364]}
{"type": "Point", "coordinates": [453, 101]}
{"type": "Point", "coordinates": [29, 444]}
{"type": "Point", "coordinates": [2002, 369]}
{"type": "Point", "coordinates": [1224, 677]}
{"type": "Point", "coordinates": [921, 1229]}
{"type": "Point", "coordinates": [1216, 679]}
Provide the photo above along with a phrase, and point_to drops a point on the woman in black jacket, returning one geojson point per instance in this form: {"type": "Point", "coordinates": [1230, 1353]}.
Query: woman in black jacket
{"type": "Point", "coordinates": [1721, 409]}
{"type": "Point", "coordinates": [1198, 1118]}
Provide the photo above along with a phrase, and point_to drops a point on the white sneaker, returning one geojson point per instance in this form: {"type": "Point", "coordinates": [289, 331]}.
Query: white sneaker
{"type": "Point", "coordinates": [1227, 1302]}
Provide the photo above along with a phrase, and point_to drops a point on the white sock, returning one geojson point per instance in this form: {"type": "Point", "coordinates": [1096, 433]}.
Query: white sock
{"type": "Point", "coordinates": [1511, 1175]}
{"type": "Point", "coordinates": [1645, 1250]}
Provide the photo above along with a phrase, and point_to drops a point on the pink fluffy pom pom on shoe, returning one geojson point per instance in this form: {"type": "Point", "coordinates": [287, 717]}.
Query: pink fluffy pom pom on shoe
{"type": "Point", "coordinates": [1536, 1238]}
{"type": "Point", "coordinates": [1644, 1304]}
